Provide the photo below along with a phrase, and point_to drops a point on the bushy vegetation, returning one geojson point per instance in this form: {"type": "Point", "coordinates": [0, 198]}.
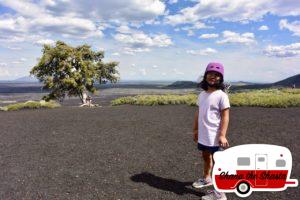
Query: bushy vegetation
{"type": "Point", "coordinates": [261, 98]}
{"type": "Point", "coordinates": [280, 98]}
{"type": "Point", "coordinates": [30, 105]}
{"type": "Point", "coordinates": [151, 100]}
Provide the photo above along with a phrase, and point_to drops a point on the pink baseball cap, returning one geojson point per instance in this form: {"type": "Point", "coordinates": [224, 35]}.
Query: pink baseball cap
{"type": "Point", "coordinates": [215, 67]}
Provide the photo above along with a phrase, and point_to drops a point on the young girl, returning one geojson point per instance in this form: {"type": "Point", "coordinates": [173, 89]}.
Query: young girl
{"type": "Point", "coordinates": [211, 122]}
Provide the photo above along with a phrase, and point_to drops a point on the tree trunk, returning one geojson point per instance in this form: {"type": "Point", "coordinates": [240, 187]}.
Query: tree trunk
{"type": "Point", "coordinates": [82, 96]}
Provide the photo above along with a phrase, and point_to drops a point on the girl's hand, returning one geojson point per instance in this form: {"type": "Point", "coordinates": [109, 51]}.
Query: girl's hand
{"type": "Point", "coordinates": [223, 142]}
{"type": "Point", "coordinates": [195, 135]}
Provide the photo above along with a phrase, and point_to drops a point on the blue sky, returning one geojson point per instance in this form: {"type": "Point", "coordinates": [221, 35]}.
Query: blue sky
{"type": "Point", "coordinates": [256, 40]}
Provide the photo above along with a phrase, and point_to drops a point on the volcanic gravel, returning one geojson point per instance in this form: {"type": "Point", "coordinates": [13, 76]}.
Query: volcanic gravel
{"type": "Point", "coordinates": [125, 152]}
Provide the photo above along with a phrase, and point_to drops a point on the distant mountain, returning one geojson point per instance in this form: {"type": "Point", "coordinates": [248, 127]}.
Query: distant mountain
{"type": "Point", "coordinates": [191, 84]}
{"type": "Point", "coordinates": [183, 84]}
{"type": "Point", "coordinates": [241, 83]}
{"type": "Point", "coordinates": [288, 82]}
{"type": "Point", "coordinates": [26, 79]}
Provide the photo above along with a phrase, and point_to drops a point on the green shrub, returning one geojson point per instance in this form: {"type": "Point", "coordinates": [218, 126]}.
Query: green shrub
{"type": "Point", "coordinates": [30, 105]}
{"type": "Point", "coordinates": [151, 100]}
{"type": "Point", "coordinates": [281, 98]}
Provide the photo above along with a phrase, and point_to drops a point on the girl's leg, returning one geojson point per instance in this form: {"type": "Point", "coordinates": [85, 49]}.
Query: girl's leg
{"type": "Point", "coordinates": [208, 164]}
{"type": "Point", "coordinates": [206, 180]}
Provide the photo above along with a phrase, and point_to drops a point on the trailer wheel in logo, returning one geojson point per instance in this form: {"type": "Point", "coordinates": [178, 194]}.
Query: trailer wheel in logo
{"type": "Point", "coordinates": [243, 188]}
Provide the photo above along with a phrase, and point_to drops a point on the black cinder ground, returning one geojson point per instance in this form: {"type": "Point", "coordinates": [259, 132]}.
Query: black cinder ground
{"type": "Point", "coordinates": [125, 152]}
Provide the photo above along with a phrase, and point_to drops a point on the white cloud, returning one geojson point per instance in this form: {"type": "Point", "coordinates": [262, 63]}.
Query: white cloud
{"type": "Point", "coordinates": [172, 1]}
{"type": "Point", "coordinates": [181, 19]}
{"type": "Point", "coordinates": [152, 22]}
{"type": "Point", "coordinates": [232, 37]}
{"type": "Point", "coordinates": [4, 72]}
{"type": "Point", "coordinates": [3, 64]}
{"type": "Point", "coordinates": [44, 41]}
{"type": "Point", "coordinates": [263, 28]}
{"type": "Point", "coordinates": [141, 39]}
{"type": "Point", "coordinates": [126, 11]}
{"type": "Point", "coordinates": [133, 51]}
{"type": "Point", "coordinates": [14, 47]}
{"type": "Point", "coordinates": [285, 8]}
{"type": "Point", "coordinates": [283, 50]}
{"type": "Point", "coordinates": [16, 62]}
{"type": "Point", "coordinates": [293, 27]}
{"type": "Point", "coordinates": [229, 10]}
{"type": "Point", "coordinates": [143, 71]}
{"type": "Point", "coordinates": [124, 29]}
{"type": "Point", "coordinates": [19, 61]}
{"type": "Point", "coordinates": [13, 38]}
{"type": "Point", "coordinates": [70, 26]}
{"type": "Point", "coordinates": [115, 54]}
{"type": "Point", "coordinates": [25, 8]}
{"type": "Point", "coordinates": [162, 40]}
{"type": "Point", "coordinates": [208, 36]}
{"type": "Point", "coordinates": [13, 29]}
{"type": "Point", "coordinates": [200, 25]}
{"type": "Point", "coordinates": [67, 26]}
{"type": "Point", "coordinates": [14, 25]}
{"type": "Point", "coordinates": [132, 73]}
{"type": "Point", "coordinates": [154, 66]}
{"type": "Point", "coordinates": [203, 52]}
{"type": "Point", "coordinates": [177, 72]}
{"type": "Point", "coordinates": [69, 19]}
{"type": "Point", "coordinates": [130, 10]}
{"type": "Point", "coordinates": [195, 26]}
{"type": "Point", "coordinates": [190, 32]}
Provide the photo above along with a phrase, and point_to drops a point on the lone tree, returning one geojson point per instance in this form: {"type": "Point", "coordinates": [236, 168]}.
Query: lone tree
{"type": "Point", "coordinates": [66, 70]}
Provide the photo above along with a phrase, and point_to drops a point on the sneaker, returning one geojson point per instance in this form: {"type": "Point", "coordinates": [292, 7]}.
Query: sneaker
{"type": "Point", "coordinates": [202, 183]}
{"type": "Point", "coordinates": [215, 196]}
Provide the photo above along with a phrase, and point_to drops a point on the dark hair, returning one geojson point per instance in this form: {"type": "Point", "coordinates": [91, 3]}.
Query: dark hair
{"type": "Point", "coordinates": [204, 85]}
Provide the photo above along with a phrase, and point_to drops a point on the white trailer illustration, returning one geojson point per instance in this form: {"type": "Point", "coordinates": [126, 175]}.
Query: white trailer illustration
{"type": "Point", "coordinates": [253, 167]}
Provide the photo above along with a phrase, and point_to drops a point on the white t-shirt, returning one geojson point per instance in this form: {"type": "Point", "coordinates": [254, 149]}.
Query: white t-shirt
{"type": "Point", "coordinates": [210, 106]}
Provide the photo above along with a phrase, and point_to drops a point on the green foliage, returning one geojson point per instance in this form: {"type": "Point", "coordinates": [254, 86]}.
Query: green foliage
{"type": "Point", "coordinates": [30, 105]}
{"type": "Point", "coordinates": [151, 100]}
{"type": "Point", "coordinates": [71, 71]}
{"type": "Point", "coordinates": [281, 98]}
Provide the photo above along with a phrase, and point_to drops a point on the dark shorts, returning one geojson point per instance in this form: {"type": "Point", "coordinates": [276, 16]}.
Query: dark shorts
{"type": "Point", "coordinates": [212, 149]}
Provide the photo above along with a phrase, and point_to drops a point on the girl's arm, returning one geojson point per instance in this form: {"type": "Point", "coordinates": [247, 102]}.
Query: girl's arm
{"type": "Point", "coordinates": [195, 129]}
{"type": "Point", "coordinates": [223, 129]}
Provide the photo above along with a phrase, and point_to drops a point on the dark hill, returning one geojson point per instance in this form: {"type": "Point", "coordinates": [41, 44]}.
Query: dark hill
{"type": "Point", "coordinates": [26, 79]}
{"type": "Point", "coordinates": [288, 82]}
{"type": "Point", "coordinates": [183, 84]}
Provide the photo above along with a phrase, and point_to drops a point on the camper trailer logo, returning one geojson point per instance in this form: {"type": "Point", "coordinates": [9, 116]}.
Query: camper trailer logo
{"type": "Point", "coordinates": [253, 167]}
